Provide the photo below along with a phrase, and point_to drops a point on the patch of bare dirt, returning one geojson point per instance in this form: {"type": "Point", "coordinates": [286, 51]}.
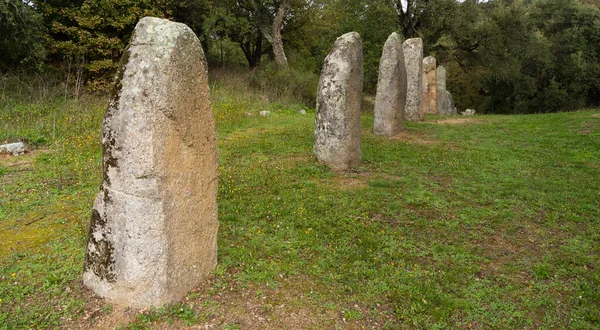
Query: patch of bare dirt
{"type": "Point", "coordinates": [588, 127]}
{"type": "Point", "coordinates": [289, 161]}
{"type": "Point", "coordinates": [596, 115]}
{"type": "Point", "coordinates": [347, 181]}
{"type": "Point", "coordinates": [289, 305]}
{"type": "Point", "coordinates": [21, 161]}
{"type": "Point", "coordinates": [413, 138]}
{"type": "Point", "coordinates": [389, 177]}
{"type": "Point", "coordinates": [459, 121]}
{"type": "Point", "coordinates": [519, 244]}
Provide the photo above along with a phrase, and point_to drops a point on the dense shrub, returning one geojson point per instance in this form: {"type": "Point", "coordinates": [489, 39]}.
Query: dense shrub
{"type": "Point", "coordinates": [21, 36]}
{"type": "Point", "coordinates": [292, 84]}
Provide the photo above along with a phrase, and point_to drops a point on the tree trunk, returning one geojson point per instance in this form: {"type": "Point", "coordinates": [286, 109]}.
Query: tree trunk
{"type": "Point", "coordinates": [409, 19]}
{"type": "Point", "coordinates": [253, 51]}
{"type": "Point", "coordinates": [278, 50]}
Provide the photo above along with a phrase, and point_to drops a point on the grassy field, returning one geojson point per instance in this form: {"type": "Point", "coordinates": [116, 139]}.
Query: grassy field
{"type": "Point", "coordinates": [482, 223]}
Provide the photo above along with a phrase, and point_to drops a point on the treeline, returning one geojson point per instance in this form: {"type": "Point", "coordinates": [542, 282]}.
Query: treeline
{"type": "Point", "coordinates": [502, 56]}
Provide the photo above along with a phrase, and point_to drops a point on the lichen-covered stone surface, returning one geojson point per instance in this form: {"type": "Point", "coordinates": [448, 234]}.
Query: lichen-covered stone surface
{"type": "Point", "coordinates": [413, 57]}
{"type": "Point", "coordinates": [441, 90]}
{"type": "Point", "coordinates": [153, 232]}
{"type": "Point", "coordinates": [429, 86]}
{"type": "Point", "coordinates": [337, 127]}
{"type": "Point", "coordinates": [391, 88]}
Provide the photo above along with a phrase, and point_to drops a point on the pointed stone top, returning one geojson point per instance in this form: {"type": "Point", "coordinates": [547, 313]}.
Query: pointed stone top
{"type": "Point", "coordinates": [395, 37]}
{"type": "Point", "coordinates": [348, 38]}
{"type": "Point", "coordinates": [429, 63]}
{"type": "Point", "coordinates": [158, 31]}
{"type": "Point", "coordinates": [413, 42]}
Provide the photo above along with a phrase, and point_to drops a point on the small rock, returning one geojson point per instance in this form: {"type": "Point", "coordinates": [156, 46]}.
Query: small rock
{"type": "Point", "coordinates": [16, 149]}
{"type": "Point", "coordinates": [265, 113]}
{"type": "Point", "coordinates": [302, 112]}
{"type": "Point", "coordinates": [468, 112]}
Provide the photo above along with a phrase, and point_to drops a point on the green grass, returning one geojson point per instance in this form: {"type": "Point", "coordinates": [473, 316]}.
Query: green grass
{"type": "Point", "coordinates": [487, 224]}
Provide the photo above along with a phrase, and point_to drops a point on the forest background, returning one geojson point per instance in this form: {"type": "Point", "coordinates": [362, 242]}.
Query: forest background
{"type": "Point", "coordinates": [503, 56]}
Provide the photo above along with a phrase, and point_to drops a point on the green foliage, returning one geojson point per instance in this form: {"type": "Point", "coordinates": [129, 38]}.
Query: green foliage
{"type": "Point", "coordinates": [93, 33]}
{"type": "Point", "coordinates": [374, 21]}
{"type": "Point", "coordinates": [289, 84]}
{"type": "Point", "coordinates": [519, 57]}
{"type": "Point", "coordinates": [21, 36]}
{"type": "Point", "coordinates": [501, 56]}
{"type": "Point", "coordinates": [245, 22]}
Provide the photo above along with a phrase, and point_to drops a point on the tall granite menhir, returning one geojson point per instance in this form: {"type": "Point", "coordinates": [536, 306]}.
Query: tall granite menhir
{"type": "Point", "coordinates": [429, 86]}
{"type": "Point", "coordinates": [153, 232]}
{"type": "Point", "coordinates": [413, 57]}
{"type": "Point", "coordinates": [391, 88]}
{"type": "Point", "coordinates": [445, 102]}
{"type": "Point", "coordinates": [337, 127]}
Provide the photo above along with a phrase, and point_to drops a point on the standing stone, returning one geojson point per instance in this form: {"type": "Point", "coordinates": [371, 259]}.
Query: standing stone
{"type": "Point", "coordinates": [153, 232]}
{"type": "Point", "coordinates": [429, 86]}
{"type": "Point", "coordinates": [445, 102]}
{"type": "Point", "coordinates": [441, 90]}
{"type": "Point", "coordinates": [450, 104]}
{"type": "Point", "coordinates": [391, 88]}
{"type": "Point", "coordinates": [337, 127]}
{"type": "Point", "coordinates": [413, 57]}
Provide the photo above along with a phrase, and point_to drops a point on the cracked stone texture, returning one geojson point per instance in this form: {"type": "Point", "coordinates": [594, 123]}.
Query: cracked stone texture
{"type": "Point", "coordinates": [391, 89]}
{"type": "Point", "coordinates": [429, 86]}
{"type": "Point", "coordinates": [153, 232]}
{"type": "Point", "coordinates": [337, 127]}
{"type": "Point", "coordinates": [413, 57]}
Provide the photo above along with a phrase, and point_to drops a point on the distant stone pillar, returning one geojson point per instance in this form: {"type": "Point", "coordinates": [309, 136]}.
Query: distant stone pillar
{"type": "Point", "coordinates": [441, 90]}
{"type": "Point", "coordinates": [445, 102]}
{"type": "Point", "coordinates": [429, 86]}
{"type": "Point", "coordinates": [153, 232]}
{"type": "Point", "coordinates": [391, 88]}
{"type": "Point", "coordinates": [413, 57]}
{"type": "Point", "coordinates": [337, 126]}
{"type": "Point", "coordinates": [451, 108]}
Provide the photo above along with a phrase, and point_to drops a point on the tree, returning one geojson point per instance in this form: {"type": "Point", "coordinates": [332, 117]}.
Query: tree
{"type": "Point", "coordinates": [93, 33]}
{"type": "Point", "coordinates": [573, 29]}
{"type": "Point", "coordinates": [276, 41]}
{"type": "Point", "coordinates": [21, 36]}
{"type": "Point", "coordinates": [256, 25]}
{"type": "Point", "coordinates": [243, 22]}
{"type": "Point", "coordinates": [409, 18]}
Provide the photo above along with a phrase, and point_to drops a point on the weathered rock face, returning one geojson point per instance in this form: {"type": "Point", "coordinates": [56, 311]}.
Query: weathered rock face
{"type": "Point", "coordinates": [391, 88]}
{"type": "Point", "coordinates": [337, 127]}
{"type": "Point", "coordinates": [413, 57]}
{"type": "Point", "coordinates": [445, 102]}
{"type": "Point", "coordinates": [153, 231]}
{"type": "Point", "coordinates": [441, 89]}
{"type": "Point", "coordinates": [429, 86]}
{"type": "Point", "coordinates": [17, 148]}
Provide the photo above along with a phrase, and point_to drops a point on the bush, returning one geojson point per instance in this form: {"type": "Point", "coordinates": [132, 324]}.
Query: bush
{"type": "Point", "coordinates": [21, 36]}
{"type": "Point", "coordinates": [292, 84]}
